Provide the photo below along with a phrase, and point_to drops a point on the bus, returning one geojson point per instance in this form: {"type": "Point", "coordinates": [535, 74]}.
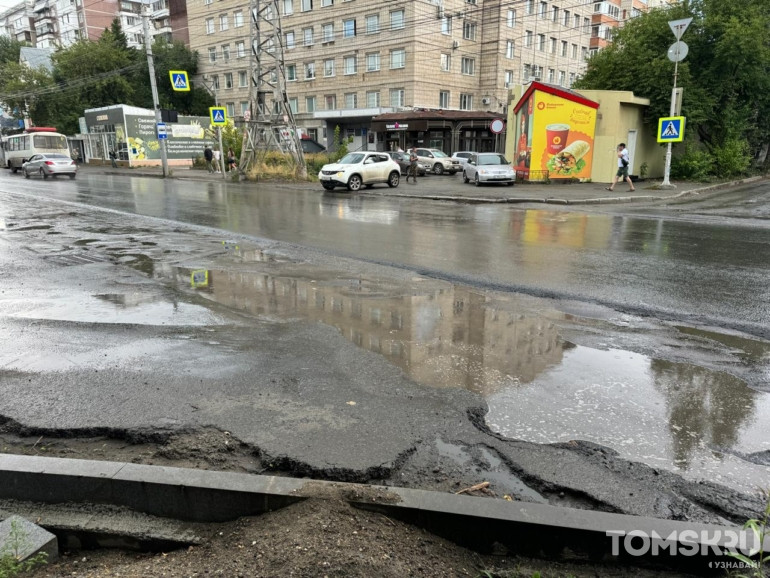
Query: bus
{"type": "Point", "coordinates": [18, 148]}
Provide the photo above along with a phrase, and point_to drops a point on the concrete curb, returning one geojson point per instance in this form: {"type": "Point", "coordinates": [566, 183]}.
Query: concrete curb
{"type": "Point", "coordinates": [209, 496]}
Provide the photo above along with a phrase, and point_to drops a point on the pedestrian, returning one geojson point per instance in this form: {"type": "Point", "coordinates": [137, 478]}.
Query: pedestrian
{"type": "Point", "coordinates": [208, 155]}
{"type": "Point", "coordinates": [231, 162]}
{"type": "Point", "coordinates": [217, 165]}
{"type": "Point", "coordinates": [412, 172]}
{"type": "Point", "coordinates": [75, 156]}
{"type": "Point", "coordinates": [623, 163]}
{"type": "Point", "coordinates": [113, 158]}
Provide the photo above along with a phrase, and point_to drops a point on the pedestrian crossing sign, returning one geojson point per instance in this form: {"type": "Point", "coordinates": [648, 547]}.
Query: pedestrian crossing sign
{"type": "Point", "coordinates": [179, 80]}
{"type": "Point", "coordinates": [218, 115]}
{"type": "Point", "coordinates": [671, 129]}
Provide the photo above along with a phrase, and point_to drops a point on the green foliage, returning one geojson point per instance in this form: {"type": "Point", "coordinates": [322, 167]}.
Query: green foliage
{"type": "Point", "coordinates": [643, 168]}
{"type": "Point", "coordinates": [760, 528]}
{"type": "Point", "coordinates": [10, 563]}
{"type": "Point", "coordinates": [9, 50]}
{"type": "Point", "coordinates": [17, 81]}
{"type": "Point", "coordinates": [339, 146]}
{"type": "Point", "coordinates": [694, 165]}
{"type": "Point", "coordinates": [726, 77]}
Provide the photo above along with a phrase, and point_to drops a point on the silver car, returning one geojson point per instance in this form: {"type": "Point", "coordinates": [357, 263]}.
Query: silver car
{"type": "Point", "coordinates": [49, 165]}
{"type": "Point", "coordinates": [484, 168]}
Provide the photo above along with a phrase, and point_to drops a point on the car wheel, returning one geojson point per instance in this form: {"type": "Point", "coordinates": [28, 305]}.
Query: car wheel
{"type": "Point", "coordinates": [509, 184]}
{"type": "Point", "coordinates": [465, 177]}
{"type": "Point", "coordinates": [438, 169]}
{"type": "Point", "coordinates": [328, 186]}
{"type": "Point", "coordinates": [476, 180]}
{"type": "Point", "coordinates": [14, 170]}
{"type": "Point", "coordinates": [354, 183]}
{"type": "Point", "coordinates": [43, 174]}
{"type": "Point", "coordinates": [394, 179]}
{"type": "Point", "coordinates": [26, 174]}
{"type": "Point", "coordinates": [72, 177]}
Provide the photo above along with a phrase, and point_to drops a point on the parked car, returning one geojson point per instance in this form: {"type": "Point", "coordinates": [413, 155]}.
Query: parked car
{"type": "Point", "coordinates": [49, 165]}
{"type": "Point", "coordinates": [482, 168]}
{"type": "Point", "coordinates": [360, 168]}
{"type": "Point", "coordinates": [462, 157]}
{"type": "Point", "coordinates": [403, 161]}
{"type": "Point", "coordinates": [438, 161]}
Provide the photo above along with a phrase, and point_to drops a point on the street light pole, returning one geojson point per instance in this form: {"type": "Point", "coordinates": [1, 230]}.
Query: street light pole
{"type": "Point", "coordinates": [153, 86]}
{"type": "Point", "coordinates": [672, 111]}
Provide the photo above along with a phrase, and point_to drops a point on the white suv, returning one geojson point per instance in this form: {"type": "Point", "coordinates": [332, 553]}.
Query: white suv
{"type": "Point", "coordinates": [360, 168]}
{"type": "Point", "coordinates": [438, 161]}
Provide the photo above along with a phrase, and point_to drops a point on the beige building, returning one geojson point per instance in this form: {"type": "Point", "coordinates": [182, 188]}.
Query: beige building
{"type": "Point", "coordinates": [347, 61]}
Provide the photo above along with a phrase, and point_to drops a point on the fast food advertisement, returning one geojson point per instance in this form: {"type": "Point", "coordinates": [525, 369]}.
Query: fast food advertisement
{"type": "Point", "coordinates": [562, 138]}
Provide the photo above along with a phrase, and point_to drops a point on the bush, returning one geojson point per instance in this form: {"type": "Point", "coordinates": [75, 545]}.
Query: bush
{"type": "Point", "coordinates": [693, 165]}
{"type": "Point", "coordinates": [732, 159]}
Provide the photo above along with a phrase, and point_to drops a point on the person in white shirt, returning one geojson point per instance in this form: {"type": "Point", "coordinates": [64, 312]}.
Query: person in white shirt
{"type": "Point", "coordinates": [623, 163]}
{"type": "Point", "coordinates": [217, 165]}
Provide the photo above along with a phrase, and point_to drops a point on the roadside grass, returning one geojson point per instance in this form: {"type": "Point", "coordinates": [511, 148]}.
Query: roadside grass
{"type": "Point", "coordinates": [10, 563]}
{"type": "Point", "coordinates": [758, 563]}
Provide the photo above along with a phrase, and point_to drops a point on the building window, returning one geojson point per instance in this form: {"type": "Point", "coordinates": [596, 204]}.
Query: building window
{"type": "Point", "coordinates": [528, 39]}
{"type": "Point", "coordinates": [348, 28]}
{"type": "Point", "coordinates": [446, 25]}
{"type": "Point", "coordinates": [230, 107]}
{"type": "Point", "coordinates": [466, 101]}
{"type": "Point", "coordinates": [398, 58]}
{"type": "Point", "coordinates": [443, 99]}
{"type": "Point", "coordinates": [508, 78]}
{"type": "Point", "coordinates": [237, 19]}
{"type": "Point", "coordinates": [551, 75]}
{"type": "Point", "coordinates": [307, 36]}
{"type": "Point", "coordinates": [373, 24]}
{"type": "Point", "coordinates": [586, 25]}
{"type": "Point", "coordinates": [372, 61]}
{"type": "Point", "coordinates": [446, 62]}
{"type": "Point", "coordinates": [223, 22]}
{"type": "Point", "coordinates": [469, 30]}
{"type": "Point", "coordinates": [215, 81]}
{"type": "Point", "coordinates": [571, 78]}
{"type": "Point", "coordinates": [373, 99]}
{"type": "Point", "coordinates": [562, 77]}
{"type": "Point", "coordinates": [327, 2]}
{"type": "Point", "coordinates": [509, 49]}
{"type": "Point", "coordinates": [288, 7]}
{"type": "Point", "coordinates": [530, 6]}
{"type": "Point", "coordinates": [242, 79]}
{"type": "Point", "coordinates": [212, 54]}
{"type": "Point", "coordinates": [584, 52]}
{"type": "Point", "coordinates": [397, 97]}
{"type": "Point", "coordinates": [307, 5]}
{"type": "Point", "coordinates": [396, 19]}
{"type": "Point", "coordinates": [226, 52]}
{"type": "Point", "coordinates": [327, 31]}
{"type": "Point", "coordinates": [576, 23]}
{"type": "Point", "coordinates": [543, 11]}
{"type": "Point", "coordinates": [331, 101]}
{"type": "Point", "coordinates": [552, 45]}
{"type": "Point", "coordinates": [240, 48]}
{"type": "Point", "coordinates": [468, 65]}
{"type": "Point", "coordinates": [294, 105]}
{"type": "Point", "coordinates": [564, 45]}
{"type": "Point", "coordinates": [207, 2]}
{"type": "Point", "coordinates": [565, 17]}
{"type": "Point", "coordinates": [310, 103]}
{"type": "Point", "coordinates": [228, 80]}
{"type": "Point", "coordinates": [309, 70]}
{"type": "Point", "coordinates": [541, 42]}
{"type": "Point", "coordinates": [209, 26]}
{"type": "Point", "coordinates": [351, 100]}
{"type": "Point", "coordinates": [350, 65]}
{"type": "Point", "coordinates": [554, 14]}
{"type": "Point", "coordinates": [574, 51]}
{"type": "Point", "coordinates": [510, 20]}
{"type": "Point", "coordinates": [329, 67]}
{"type": "Point", "coordinates": [291, 72]}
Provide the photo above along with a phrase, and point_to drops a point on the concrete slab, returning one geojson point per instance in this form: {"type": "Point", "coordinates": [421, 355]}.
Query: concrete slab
{"type": "Point", "coordinates": [22, 539]}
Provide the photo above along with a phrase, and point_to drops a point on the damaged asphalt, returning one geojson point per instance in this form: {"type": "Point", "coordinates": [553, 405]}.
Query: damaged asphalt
{"type": "Point", "coordinates": [304, 400]}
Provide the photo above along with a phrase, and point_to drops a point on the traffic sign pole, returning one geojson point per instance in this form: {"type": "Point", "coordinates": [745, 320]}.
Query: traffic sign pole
{"type": "Point", "coordinates": [676, 53]}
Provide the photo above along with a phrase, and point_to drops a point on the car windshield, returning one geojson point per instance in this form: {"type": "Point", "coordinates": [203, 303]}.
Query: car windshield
{"type": "Point", "coordinates": [351, 159]}
{"type": "Point", "coordinates": [438, 154]}
{"type": "Point", "coordinates": [492, 160]}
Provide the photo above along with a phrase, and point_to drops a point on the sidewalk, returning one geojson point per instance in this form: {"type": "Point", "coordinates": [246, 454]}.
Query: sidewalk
{"type": "Point", "coordinates": [452, 188]}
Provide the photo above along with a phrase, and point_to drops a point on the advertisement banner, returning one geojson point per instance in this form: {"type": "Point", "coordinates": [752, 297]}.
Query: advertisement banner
{"type": "Point", "coordinates": [524, 123]}
{"type": "Point", "coordinates": [562, 139]}
{"type": "Point", "coordinates": [186, 138]}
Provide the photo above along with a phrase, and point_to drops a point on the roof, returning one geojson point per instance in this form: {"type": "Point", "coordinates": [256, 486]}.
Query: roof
{"type": "Point", "coordinates": [435, 114]}
{"type": "Point", "coordinates": [555, 91]}
{"type": "Point", "coordinates": [36, 57]}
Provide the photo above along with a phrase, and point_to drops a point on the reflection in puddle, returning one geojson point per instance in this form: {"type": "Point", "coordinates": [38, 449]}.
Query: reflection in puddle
{"type": "Point", "coordinates": [445, 336]}
{"type": "Point", "coordinates": [665, 414]}
{"type": "Point", "coordinates": [748, 349]}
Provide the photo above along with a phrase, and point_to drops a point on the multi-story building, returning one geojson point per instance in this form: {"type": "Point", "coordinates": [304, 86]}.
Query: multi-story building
{"type": "Point", "coordinates": [18, 22]}
{"type": "Point", "coordinates": [347, 61]}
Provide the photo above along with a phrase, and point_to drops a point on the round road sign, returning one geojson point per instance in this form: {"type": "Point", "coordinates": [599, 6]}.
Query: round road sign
{"type": "Point", "coordinates": [497, 126]}
{"type": "Point", "coordinates": [678, 51]}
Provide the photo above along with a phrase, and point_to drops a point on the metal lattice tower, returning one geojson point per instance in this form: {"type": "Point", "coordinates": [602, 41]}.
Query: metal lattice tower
{"type": "Point", "coordinates": [271, 124]}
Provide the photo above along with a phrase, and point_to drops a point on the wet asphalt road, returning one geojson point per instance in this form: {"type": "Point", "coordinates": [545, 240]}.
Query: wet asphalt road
{"type": "Point", "coordinates": [392, 403]}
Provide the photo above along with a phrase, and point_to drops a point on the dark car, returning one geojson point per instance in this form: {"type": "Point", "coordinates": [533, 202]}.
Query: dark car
{"type": "Point", "coordinates": [403, 161]}
{"type": "Point", "coordinates": [49, 164]}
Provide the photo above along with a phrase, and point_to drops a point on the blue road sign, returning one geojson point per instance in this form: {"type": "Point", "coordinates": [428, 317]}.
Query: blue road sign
{"type": "Point", "coordinates": [179, 80]}
{"type": "Point", "coordinates": [671, 129]}
{"type": "Point", "coordinates": [218, 115]}
{"type": "Point", "coordinates": [161, 130]}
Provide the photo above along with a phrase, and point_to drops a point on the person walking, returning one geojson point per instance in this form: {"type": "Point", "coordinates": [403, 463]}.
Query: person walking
{"type": "Point", "coordinates": [412, 172]}
{"type": "Point", "coordinates": [230, 159]}
{"type": "Point", "coordinates": [217, 156]}
{"type": "Point", "coordinates": [623, 163]}
{"type": "Point", "coordinates": [113, 158]}
{"type": "Point", "coordinates": [208, 155]}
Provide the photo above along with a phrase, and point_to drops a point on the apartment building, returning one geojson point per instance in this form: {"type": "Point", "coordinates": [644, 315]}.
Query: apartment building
{"type": "Point", "coordinates": [347, 61]}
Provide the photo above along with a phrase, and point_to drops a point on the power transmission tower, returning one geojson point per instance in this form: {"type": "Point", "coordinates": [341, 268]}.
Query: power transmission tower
{"type": "Point", "coordinates": [270, 124]}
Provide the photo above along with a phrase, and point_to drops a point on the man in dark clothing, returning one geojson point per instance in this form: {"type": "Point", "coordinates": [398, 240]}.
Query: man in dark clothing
{"type": "Point", "coordinates": [412, 172]}
{"type": "Point", "coordinates": [208, 154]}
{"type": "Point", "coordinates": [113, 157]}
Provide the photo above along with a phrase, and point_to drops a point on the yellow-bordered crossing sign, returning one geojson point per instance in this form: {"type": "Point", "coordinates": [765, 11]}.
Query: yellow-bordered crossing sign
{"type": "Point", "coordinates": [179, 80]}
{"type": "Point", "coordinates": [218, 115]}
{"type": "Point", "coordinates": [671, 129]}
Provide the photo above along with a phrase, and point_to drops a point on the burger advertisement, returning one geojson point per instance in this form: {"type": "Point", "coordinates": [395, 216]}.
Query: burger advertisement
{"type": "Point", "coordinates": [560, 139]}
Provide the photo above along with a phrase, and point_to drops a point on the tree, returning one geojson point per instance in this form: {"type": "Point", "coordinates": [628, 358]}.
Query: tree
{"type": "Point", "coordinates": [9, 50]}
{"type": "Point", "coordinates": [20, 88]}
